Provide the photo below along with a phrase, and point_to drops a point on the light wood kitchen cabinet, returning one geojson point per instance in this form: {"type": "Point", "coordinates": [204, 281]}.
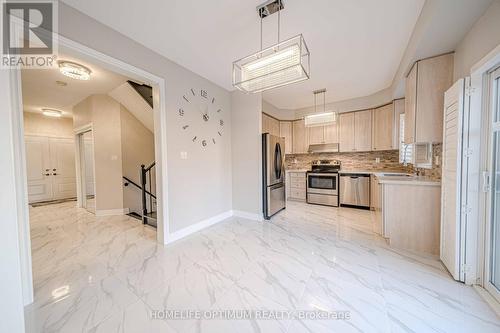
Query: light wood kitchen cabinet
{"type": "Point", "coordinates": [300, 137]}
{"type": "Point", "coordinates": [399, 108]}
{"type": "Point", "coordinates": [270, 125]}
{"type": "Point", "coordinates": [425, 87]}
{"type": "Point", "coordinates": [383, 128]}
{"type": "Point", "coordinates": [296, 185]}
{"type": "Point", "coordinates": [363, 130]}
{"type": "Point", "coordinates": [346, 132]}
{"type": "Point", "coordinates": [323, 134]}
{"type": "Point", "coordinates": [332, 133]}
{"type": "Point", "coordinates": [287, 133]}
{"type": "Point", "coordinates": [316, 135]}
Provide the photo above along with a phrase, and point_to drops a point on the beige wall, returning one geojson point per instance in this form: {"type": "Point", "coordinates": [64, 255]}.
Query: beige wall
{"type": "Point", "coordinates": [137, 148]}
{"type": "Point", "coordinates": [38, 124]}
{"type": "Point", "coordinates": [479, 41]}
{"type": "Point", "coordinates": [246, 152]}
{"type": "Point", "coordinates": [199, 187]}
{"type": "Point", "coordinates": [104, 114]}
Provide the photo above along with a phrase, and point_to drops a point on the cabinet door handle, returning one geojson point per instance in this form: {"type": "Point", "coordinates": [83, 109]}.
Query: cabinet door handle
{"type": "Point", "coordinates": [47, 174]}
{"type": "Point", "coordinates": [54, 174]}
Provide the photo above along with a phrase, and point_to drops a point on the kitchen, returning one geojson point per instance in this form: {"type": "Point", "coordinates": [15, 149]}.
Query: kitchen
{"type": "Point", "coordinates": [386, 159]}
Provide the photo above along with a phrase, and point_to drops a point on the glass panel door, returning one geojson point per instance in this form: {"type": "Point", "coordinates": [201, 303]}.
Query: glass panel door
{"type": "Point", "coordinates": [492, 281]}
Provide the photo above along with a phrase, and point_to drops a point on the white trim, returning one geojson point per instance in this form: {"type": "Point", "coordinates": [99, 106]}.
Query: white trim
{"type": "Point", "coordinates": [198, 226]}
{"type": "Point", "coordinates": [109, 212]}
{"type": "Point", "coordinates": [72, 48]}
{"type": "Point", "coordinates": [81, 191]}
{"type": "Point", "coordinates": [21, 180]}
{"type": "Point", "coordinates": [478, 143]}
{"type": "Point", "coordinates": [486, 296]}
{"type": "Point", "coordinates": [248, 215]}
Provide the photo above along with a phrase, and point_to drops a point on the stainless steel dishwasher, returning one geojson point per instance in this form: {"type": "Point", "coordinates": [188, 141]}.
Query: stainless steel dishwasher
{"type": "Point", "coordinates": [355, 190]}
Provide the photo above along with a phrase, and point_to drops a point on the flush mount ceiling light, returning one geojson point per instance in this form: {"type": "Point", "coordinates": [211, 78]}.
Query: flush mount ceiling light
{"type": "Point", "coordinates": [320, 119]}
{"type": "Point", "coordinates": [284, 63]}
{"type": "Point", "coordinates": [52, 113]}
{"type": "Point", "coordinates": [74, 70]}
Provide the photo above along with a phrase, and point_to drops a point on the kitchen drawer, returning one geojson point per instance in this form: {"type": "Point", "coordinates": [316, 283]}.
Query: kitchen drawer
{"type": "Point", "coordinates": [297, 175]}
{"type": "Point", "coordinates": [298, 183]}
{"type": "Point", "coordinates": [298, 194]}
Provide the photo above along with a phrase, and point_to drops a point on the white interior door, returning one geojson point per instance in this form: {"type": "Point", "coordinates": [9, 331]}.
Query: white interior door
{"type": "Point", "coordinates": [492, 244]}
{"type": "Point", "coordinates": [38, 169]}
{"type": "Point", "coordinates": [452, 226]}
{"type": "Point", "coordinates": [62, 156]}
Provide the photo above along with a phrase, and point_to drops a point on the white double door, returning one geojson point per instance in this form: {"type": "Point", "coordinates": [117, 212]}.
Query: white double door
{"type": "Point", "coordinates": [50, 164]}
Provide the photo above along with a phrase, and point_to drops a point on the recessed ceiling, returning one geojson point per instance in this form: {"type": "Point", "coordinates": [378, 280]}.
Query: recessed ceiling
{"type": "Point", "coordinates": [41, 90]}
{"type": "Point", "coordinates": [356, 46]}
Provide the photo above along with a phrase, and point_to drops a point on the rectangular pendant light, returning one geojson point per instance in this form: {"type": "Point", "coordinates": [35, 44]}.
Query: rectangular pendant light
{"type": "Point", "coordinates": [281, 64]}
{"type": "Point", "coordinates": [320, 119]}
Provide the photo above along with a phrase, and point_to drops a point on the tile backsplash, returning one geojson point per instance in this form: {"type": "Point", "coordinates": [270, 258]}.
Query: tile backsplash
{"type": "Point", "coordinates": [389, 161]}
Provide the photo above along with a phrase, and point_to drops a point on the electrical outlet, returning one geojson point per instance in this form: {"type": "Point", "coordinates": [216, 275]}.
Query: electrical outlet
{"type": "Point", "coordinates": [377, 160]}
{"type": "Point", "coordinates": [184, 155]}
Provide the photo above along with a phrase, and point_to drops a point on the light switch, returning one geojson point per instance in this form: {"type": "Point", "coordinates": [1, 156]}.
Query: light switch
{"type": "Point", "coordinates": [377, 160]}
{"type": "Point", "coordinates": [184, 155]}
{"type": "Point", "coordinates": [114, 157]}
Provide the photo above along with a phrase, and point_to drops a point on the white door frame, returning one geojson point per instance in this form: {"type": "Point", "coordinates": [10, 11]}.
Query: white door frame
{"type": "Point", "coordinates": [492, 127]}
{"type": "Point", "coordinates": [478, 192]}
{"type": "Point", "coordinates": [85, 53]}
{"type": "Point", "coordinates": [81, 190]}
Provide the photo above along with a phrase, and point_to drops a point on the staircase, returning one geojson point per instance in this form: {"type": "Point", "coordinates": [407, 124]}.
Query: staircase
{"type": "Point", "coordinates": [148, 213]}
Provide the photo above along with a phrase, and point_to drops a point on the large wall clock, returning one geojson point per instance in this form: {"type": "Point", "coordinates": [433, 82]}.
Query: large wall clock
{"type": "Point", "coordinates": [202, 117]}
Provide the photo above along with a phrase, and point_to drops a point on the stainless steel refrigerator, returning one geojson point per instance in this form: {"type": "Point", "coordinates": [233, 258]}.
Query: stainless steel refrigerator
{"type": "Point", "coordinates": [273, 174]}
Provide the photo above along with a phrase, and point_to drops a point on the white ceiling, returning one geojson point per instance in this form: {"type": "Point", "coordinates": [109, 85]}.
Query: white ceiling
{"type": "Point", "coordinates": [356, 46]}
{"type": "Point", "coordinates": [41, 91]}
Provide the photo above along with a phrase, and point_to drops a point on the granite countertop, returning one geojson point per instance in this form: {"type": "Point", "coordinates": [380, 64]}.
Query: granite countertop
{"type": "Point", "coordinates": [297, 170]}
{"type": "Point", "coordinates": [410, 180]}
{"type": "Point", "coordinates": [403, 179]}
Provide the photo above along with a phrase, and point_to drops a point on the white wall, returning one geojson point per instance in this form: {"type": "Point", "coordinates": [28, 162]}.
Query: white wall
{"type": "Point", "coordinates": [104, 114]}
{"type": "Point", "coordinates": [137, 148]}
{"type": "Point", "coordinates": [38, 124]}
{"type": "Point", "coordinates": [479, 41]}
{"type": "Point", "coordinates": [11, 301]}
{"type": "Point", "coordinates": [277, 113]}
{"type": "Point", "coordinates": [246, 153]}
{"type": "Point", "coordinates": [200, 186]}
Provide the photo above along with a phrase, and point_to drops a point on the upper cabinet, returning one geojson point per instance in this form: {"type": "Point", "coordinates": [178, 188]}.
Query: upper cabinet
{"type": "Point", "coordinates": [399, 109]}
{"type": "Point", "coordinates": [424, 98]}
{"type": "Point", "coordinates": [323, 134]}
{"type": "Point", "coordinates": [383, 128]}
{"type": "Point", "coordinates": [363, 130]}
{"type": "Point", "coordinates": [300, 137]}
{"type": "Point", "coordinates": [346, 132]}
{"type": "Point", "coordinates": [355, 131]}
{"type": "Point", "coordinates": [286, 132]}
{"type": "Point", "coordinates": [270, 125]}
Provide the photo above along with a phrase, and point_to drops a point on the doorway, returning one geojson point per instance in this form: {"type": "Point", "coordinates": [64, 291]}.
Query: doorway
{"type": "Point", "coordinates": [87, 170]}
{"type": "Point", "coordinates": [492, 232]}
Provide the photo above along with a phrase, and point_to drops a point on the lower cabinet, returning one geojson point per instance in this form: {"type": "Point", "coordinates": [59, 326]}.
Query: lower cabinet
{"type": "Point", "coordinates": [296, 186]}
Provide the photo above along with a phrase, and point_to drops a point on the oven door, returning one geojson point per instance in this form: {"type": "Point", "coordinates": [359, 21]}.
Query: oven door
{"type": "Point", "coordinates": [323, 183]}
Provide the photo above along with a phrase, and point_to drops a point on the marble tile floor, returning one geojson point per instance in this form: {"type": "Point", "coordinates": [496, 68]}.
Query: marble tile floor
{"type": "Point", "coordinates": [107, 274]}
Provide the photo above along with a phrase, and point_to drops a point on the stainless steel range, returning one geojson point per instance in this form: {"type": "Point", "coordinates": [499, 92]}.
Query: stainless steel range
{"type": "Point", "coordinates": [323, 183]}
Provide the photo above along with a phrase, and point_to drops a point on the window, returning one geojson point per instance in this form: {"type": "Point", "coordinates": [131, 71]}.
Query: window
{"type": "Point", "coordinates": [405, 151]}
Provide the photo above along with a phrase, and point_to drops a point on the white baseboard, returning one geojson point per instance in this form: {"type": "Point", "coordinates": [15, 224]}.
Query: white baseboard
{"type": "Point", "coordinates": [248, 215]}
{"type": "Point", "coordinates": [109, 212]}
{"type": "Point", "coordinates": [172, 237]}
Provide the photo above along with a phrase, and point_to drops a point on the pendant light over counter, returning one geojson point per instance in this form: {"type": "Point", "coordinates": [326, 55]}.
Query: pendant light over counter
{"type": "Point", "coordinates": [282, 64]}
{"type": "Point", "coordinates": [323, 118]}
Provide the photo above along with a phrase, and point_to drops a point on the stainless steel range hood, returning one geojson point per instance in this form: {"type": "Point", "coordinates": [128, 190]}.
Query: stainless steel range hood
{"type": "Point", "coordinates": [324, 148]}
